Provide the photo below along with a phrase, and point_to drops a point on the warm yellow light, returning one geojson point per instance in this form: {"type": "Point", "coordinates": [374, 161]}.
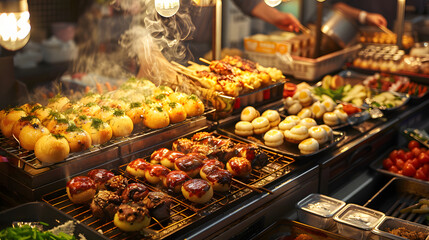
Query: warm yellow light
{"type": "Point", "coordinates": [273, 3]}
{"type": "Point", "coordinates": [167, 8]}
{"type": "Point", "coordinates": [14, 30]}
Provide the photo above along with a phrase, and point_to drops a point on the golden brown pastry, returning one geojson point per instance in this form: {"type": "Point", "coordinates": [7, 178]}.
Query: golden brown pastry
{"type": "Point", "coordinates": [175, 179]}
{"type": "Point", "coordinates": [81, 189]}
{"type": "Point", "coordinates": [318, 133]}
{"type": "Point", "coordinates": [239, 166]}
{"type": "Point", "coordinates": [138, 167]}
{"type": "Point", "coordinates": [249, 113]}
{"type": "Point", "coordinates": [308, 146]}
{"type": "Point", "coordinates": [296, 134]}
{"type": "Point", "coordinates": [52, 148]}
{"type": "Point", "coordinates": [197, 191]}
{"type": "Point", "coordinates": [260, 125]}
{"type": "Point", "coordinates": [30, 134]}
{"type": "Point", "coordinates": [156, 173]}
{"type": "Point", "coordinates": [273, 138]}
{"type": "Point", "coordinates": [243, 128]}
{"type": "Point", "coordinates": [286, 124]}
{"type": "Point", "coordinates": [132, 217]}
{"type": "Point", "coordinates": [308, 122]}
{"type": "Point", "coordinates": [331, 119]}
{"type": "Point", "coordinates": [272, 116]}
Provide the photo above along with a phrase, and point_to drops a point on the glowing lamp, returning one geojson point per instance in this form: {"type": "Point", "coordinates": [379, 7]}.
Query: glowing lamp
{"type": "Point", "coordinates": [14, 24]}
{"type": "Point", "coordinates": [167, 8]}
{"type": "Point", "coordinates": [273, 3]}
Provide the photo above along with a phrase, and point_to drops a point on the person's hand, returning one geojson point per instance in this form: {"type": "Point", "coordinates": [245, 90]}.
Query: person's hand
{"type": "Point", "coordinates": [376, 20]}
{"type": "Point", "coordinates": [286, 21]}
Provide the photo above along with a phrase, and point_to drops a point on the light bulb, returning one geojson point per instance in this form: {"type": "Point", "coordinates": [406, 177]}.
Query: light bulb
{"type": "Point", "coordinates": [167, 8]}
{"type": "Point", "coordinates": [273, 3]}
{"type": "Point", "coordinates": [204, 3]}
{"type": "Point", "coordinates": [14, 24]}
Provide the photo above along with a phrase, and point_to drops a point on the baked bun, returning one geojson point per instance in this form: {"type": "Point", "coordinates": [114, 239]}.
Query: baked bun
{"type": "Point", "coordinates": [260, 125]}
{"type": "Point", "coordinates": [81, 189]}
{"type": "Point", "coordinates": [239, 166]}
{"type": "Point", "coordinates": [116, 184]}
{"type": "Point", "coordinates": [100, 177]}
{"type": "Point", "coordinates": [77, 138]}
{"type": "Point", "coordinates": [249, 113]}
{"type": "Point", "coordinates": [132, 217]}
{"type": "Point", "coordinates": [121, 124]}
{"type": "Point", "coordinates": [156, 173]}
{"type": "Point", "coordinates": [165, 157]}
{"type": "Point", "coordinates": [294, 108]}
{"type": "Point", "coordinates": [286, 124]}
{"type": "Point", "coordinates": [328, 131]}
{"type": "Point", "coordinates": [176, 112]}
{"type": "Point", "coordinates": [135, 112]}
{"type": "Point", "coordinates": [243, 128]}
{"type": "Point", "coordinates": [331, 119]}
{"type": "Point", "coordinates": [51, 148]}
{"type": "Point", "coordinates": [138, 167]}
{"type": "Point", "coordinates": [341, 115]}
{"type": "Point", "coordinates": [296, 134]}
{"type": "Point", "coordinates": [100, 131]}
{"type": "Point", "coordinates": [272, 116]}
{"type": "Point", "coordinates": [190, 164]}
{"type": "Point", "coordinates": [10, 119]}
{"type": "Point", "coordinates": [304, 97]}
{"type": "Point", "coordinates": [273, 138]}
{"type": "Point", "coordinates": [329, 104]}
{"type": "Point", "coordinates": [305, 113]}
{"type": "Point", "coordinates": [22, 122]}
{"type": "Point", "coordinates": [308, 122]}
{"type": "Point", "coordinates": [155, 117]}
{"type": "Point", "coordinates": [134, 192]}
{"type": "Point", "coordinates": [174, 180]}
{"type": "Point", "coordinates": [293, 118]}
{"type": "Point", "coordinates": [318, 110]}
{"type": "Point", "coordinates": [219, 178]}
{"type": "Point", "coordinates": [308, 146]}
{"type": "Point", "coordinates": [197, 191]}
{"type": "Point", "coordinates": [318, 133]}
{"type": "Point", "coordinates": [214, 162]}
{"type": "Point", "coordinates": [30, 134]}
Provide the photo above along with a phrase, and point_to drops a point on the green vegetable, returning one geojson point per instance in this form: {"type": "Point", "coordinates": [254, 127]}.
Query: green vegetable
{"type": "Point", "coordinates": [27, 232]}
{"type": "Point", "coordinates": [334, 94]}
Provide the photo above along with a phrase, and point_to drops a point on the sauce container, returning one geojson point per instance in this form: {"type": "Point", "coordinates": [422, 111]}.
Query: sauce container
{"type": "Point", "coordinates": [381, 231]}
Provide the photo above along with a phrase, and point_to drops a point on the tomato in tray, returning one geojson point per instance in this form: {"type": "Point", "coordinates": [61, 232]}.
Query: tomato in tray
{"type": "Point", "coordinates": [413, 144]}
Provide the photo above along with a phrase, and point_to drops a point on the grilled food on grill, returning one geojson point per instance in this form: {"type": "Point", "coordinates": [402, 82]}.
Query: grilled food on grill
{"type": "Point", "coordinates": [134, 192]}
{"type": "Point", "coordinates": [116, 184]}
{"type": "Point", "coordinates": [131, 217]}
{"type": "Point", "coordinates": [219, 178]}
{"type": "Point", "coordinates": [239, 167]}
{"type": "Point", "coordinates": [30, 134]}
{"type": "Point", "coordinates": [165, 157]}
{"type": "Point", "coordinates": [100, 177]}
{"type": "Point", "coordinates": [51, 148]}
{"type": "Point", "coordinates": [175, 179]}
{"type": "Point", "coordinates": [77, 138]}
{"type": "Point", "coordinates": [197, 190]}
{"type": "Point", "coordinates": [105, 204]}
{"type": "Point", "coordinates": [158, 205]}
{"type": "Point", "coordinates": [10, 118]}
{"type": "Point", "coordinates": [138, 167]}
{"type": "Point", "coordinates": [81, 189]}
{"type": "Point", "coordinates": [156, 173]}
{"type": "Point", "coordinates": [191, 164]}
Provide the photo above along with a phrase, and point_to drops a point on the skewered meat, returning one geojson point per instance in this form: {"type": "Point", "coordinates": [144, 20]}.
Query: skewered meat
{"type": "Point", "coordinates": [105, 204]}
{"type": "Point", "coordinates": [134, 192]}
{"type": "Point", "coordinates": [158, 205]}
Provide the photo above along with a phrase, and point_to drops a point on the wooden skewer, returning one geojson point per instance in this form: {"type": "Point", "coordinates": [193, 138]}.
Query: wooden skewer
{"type": "Point", "coordinates": [182, 67]}
{"type": "Point", "coordinates": [256, 189]}
{"type": "Point", "coordinates": [193, 63]}
{"type": "Point", "coordinates": [386, 30]}
{"type": "Point", "coordinates": [205, 61]}
{"type": "Point", "coordinates": [304, 29]}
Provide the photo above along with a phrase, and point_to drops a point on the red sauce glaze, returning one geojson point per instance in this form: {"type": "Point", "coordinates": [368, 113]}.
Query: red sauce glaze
{"type": "Point", "coordinates": [139, 164]}
{"type": "Point", "coordinates": [240, 165]}
{"type": "Point", "coordinates": [196, 187]}
{"type": "Point", "coordinates": [209, 168]}
{"type": "Point", "coordinates": [80, 184]}
{"type": "Point", "coordinates": [158, 171]}
{"type": "Point", "coordinates": [189, 162]}
{"type": "Point", "coordinates": [214, 162]}
{"type": "Point", "coordinates": [220, 176]}
{"type": "Point", "coordinates": [246, 150]}
{"type": "Point", "coordinates": [159, 154]}
{"type": "Point", "coordinates": [135, 192]}
{"type": "Point", "coordinates": [176, 178]}
{"type": "Point", "coordinates": [100, 176]}
{"type": "Point", "coordinates": [174, 155]}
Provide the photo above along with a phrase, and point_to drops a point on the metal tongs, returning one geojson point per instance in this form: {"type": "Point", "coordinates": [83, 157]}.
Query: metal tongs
{"type": "Point", "coordinates": [420, 136]}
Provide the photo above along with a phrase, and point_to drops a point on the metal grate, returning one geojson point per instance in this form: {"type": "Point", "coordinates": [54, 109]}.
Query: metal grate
{"type": "Point", "coordinates": [183, 212]}
{"type": "Point", "coordinates": [403, 201]}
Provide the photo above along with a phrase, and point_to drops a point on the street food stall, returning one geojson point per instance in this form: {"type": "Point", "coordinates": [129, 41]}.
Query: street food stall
{"type": "Point", "coordinates": [310, 135]}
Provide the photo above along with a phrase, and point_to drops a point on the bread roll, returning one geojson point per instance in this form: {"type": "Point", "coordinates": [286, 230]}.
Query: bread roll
{"type": "Point", "coordinates": [52, 148]}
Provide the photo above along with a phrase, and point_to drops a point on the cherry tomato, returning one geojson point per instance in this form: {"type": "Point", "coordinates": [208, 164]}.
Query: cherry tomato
{"type": "Point", "coordinates": [393, 154]}
{"type": "Point", "coordinates": [423, 149]}
{"type": "Point", "coordinates": [413, 144]}
{"type": "Point", "coordinates": [416, 151]}
{"type": "Point", "coordinates": [400, 163]}
{"type": "Point", "coordinates": [420, 174]}
{"type": "Point", "coordinates": [416, 163]}
{"type": "Point", "coordinates": [409, 170]}
{"type": "Point", "coordinates": [387, 163]}
{"type": "Point", "coordinates": [423, 158]}
{"type": "Point", "coordinates": [425, 168]}
{"type": "Point", "coordinates": [394, 169]}
{"type": "Point", "coordinates": [400, 154]}
{"type": "Point", "coordinates": [409, 155]}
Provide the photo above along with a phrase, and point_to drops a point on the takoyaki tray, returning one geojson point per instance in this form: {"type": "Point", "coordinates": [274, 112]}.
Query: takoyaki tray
{"type": "Point", "coordinates": [28, 158]}
{"type": "Point", "coordinates": [183, 212]}
{"type": "Point", "coordinates": [288, 149]}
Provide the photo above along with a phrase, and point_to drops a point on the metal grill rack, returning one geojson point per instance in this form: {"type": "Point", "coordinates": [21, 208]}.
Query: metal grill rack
{"type": "Point", "coordinates": [183, 212]}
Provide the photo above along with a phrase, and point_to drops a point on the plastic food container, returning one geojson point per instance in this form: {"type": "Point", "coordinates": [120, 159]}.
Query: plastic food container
{"type": "Point", "coordinates": [356, 222]}
{"type": "Point", "coordinates": [381, 231]}
{"type": "Point", "coordinates": [318, 210]}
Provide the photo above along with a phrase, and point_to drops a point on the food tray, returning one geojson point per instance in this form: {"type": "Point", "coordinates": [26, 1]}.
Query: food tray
{"type": "Point", "coordinates": [381, 231]}
{"type": "Point", "coordinates": [307, 69]}
{"type": "Point", "coordinates": [288, 149]}
{"type": "Point", "coordinates": [405, 98]}
{"type": "Point", "coordinates": [397, 194]}
{"type": "Point", "coordinates": [377, 165]}
{"type": "Point", "coordinates": [42, 212]}
{"type": "Point", "coordinates": [184, 213]}
{"type": "Point", "coordinates": [288, 230]}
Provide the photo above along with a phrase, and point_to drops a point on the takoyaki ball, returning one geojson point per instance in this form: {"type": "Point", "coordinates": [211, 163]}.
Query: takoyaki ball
{"type": "Point", "coordinates": [183, 145]}
{"type": "Point", "coordinates": [59, 103]}
{"type": "Point", "coordinates": [90, 109]}
{"type": "Point", "coordinates": [52, 148]}
{"type": "Point", "coordinates": [22, 122]}
{"type": "Point", "coordinates": [239, 166]}
{"type": "Point", "coordinates": [77, 138]}
{"type": "Point", "coordinates": [138, 167]}
{"type": "Point", "coordinates": [197, 190]}
{"type": "Point", "coordinates": [27, 107]}
{"type": "Point", "coordinates": [30, 134]}
{"type": "Point", "coordinates": [112, 103]}
{"type": "Point", "coordinates": [10, 119]}
{"type": "Point", "coordinates": [176, 112]}
{"type": "Point", "coordinates": [105, 113]}
{"type": "Point", "coordinates": [105, 204]}
{"type": "Point", "coordinates": [220, 179]}
{"type": "Point", "coordinates": [156, 173]}
{"type": "Point", "coordinates": [135, 192]}
{"type": "Point", "coordinates": [2, 115]}
{"type": "Point", "coordinates": [214, 162]}
{"type": "Point", "coordinates": [116, 184]}
{"type": "Point", "coordinates": [193, 106]}
{"type": "Point", "coordinates": [190, 164]}
{"type": "Point", "coordinates": [158, 205]}
{"type": "Point", "coordinates": [131, 217]}
{"type": "Point", "coordinates": [249, 113]}
{"type": "Point", "coordinates": [41, 112]}
{"type": "Point", "coordinates": [121, 124]}
{"type": "Point", "coordinates": [100, 176]}
{"type": "Point", "coordinates": [81, 189]}
{"type": "Point", "coordinates": [178, 97]}
{"type": "Point", "coordinates": [89, 98]}
{"type": "Point", "coordinates": [135, 112]}
{"type": "Point", "coordinates": [175, 179]}
{"type": "Point", "coordinates": [53, 119]}
{"type": "Point", "coordinates": [71, 113]}
{"type": "Point", "coordinates": [163, 90]}
{"type": "Point", "coordinates": [82, 120]}
{"type": "Point", "coordinates": [155, 117]}
{"type": "Point", "coordinates": [100, 131]}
